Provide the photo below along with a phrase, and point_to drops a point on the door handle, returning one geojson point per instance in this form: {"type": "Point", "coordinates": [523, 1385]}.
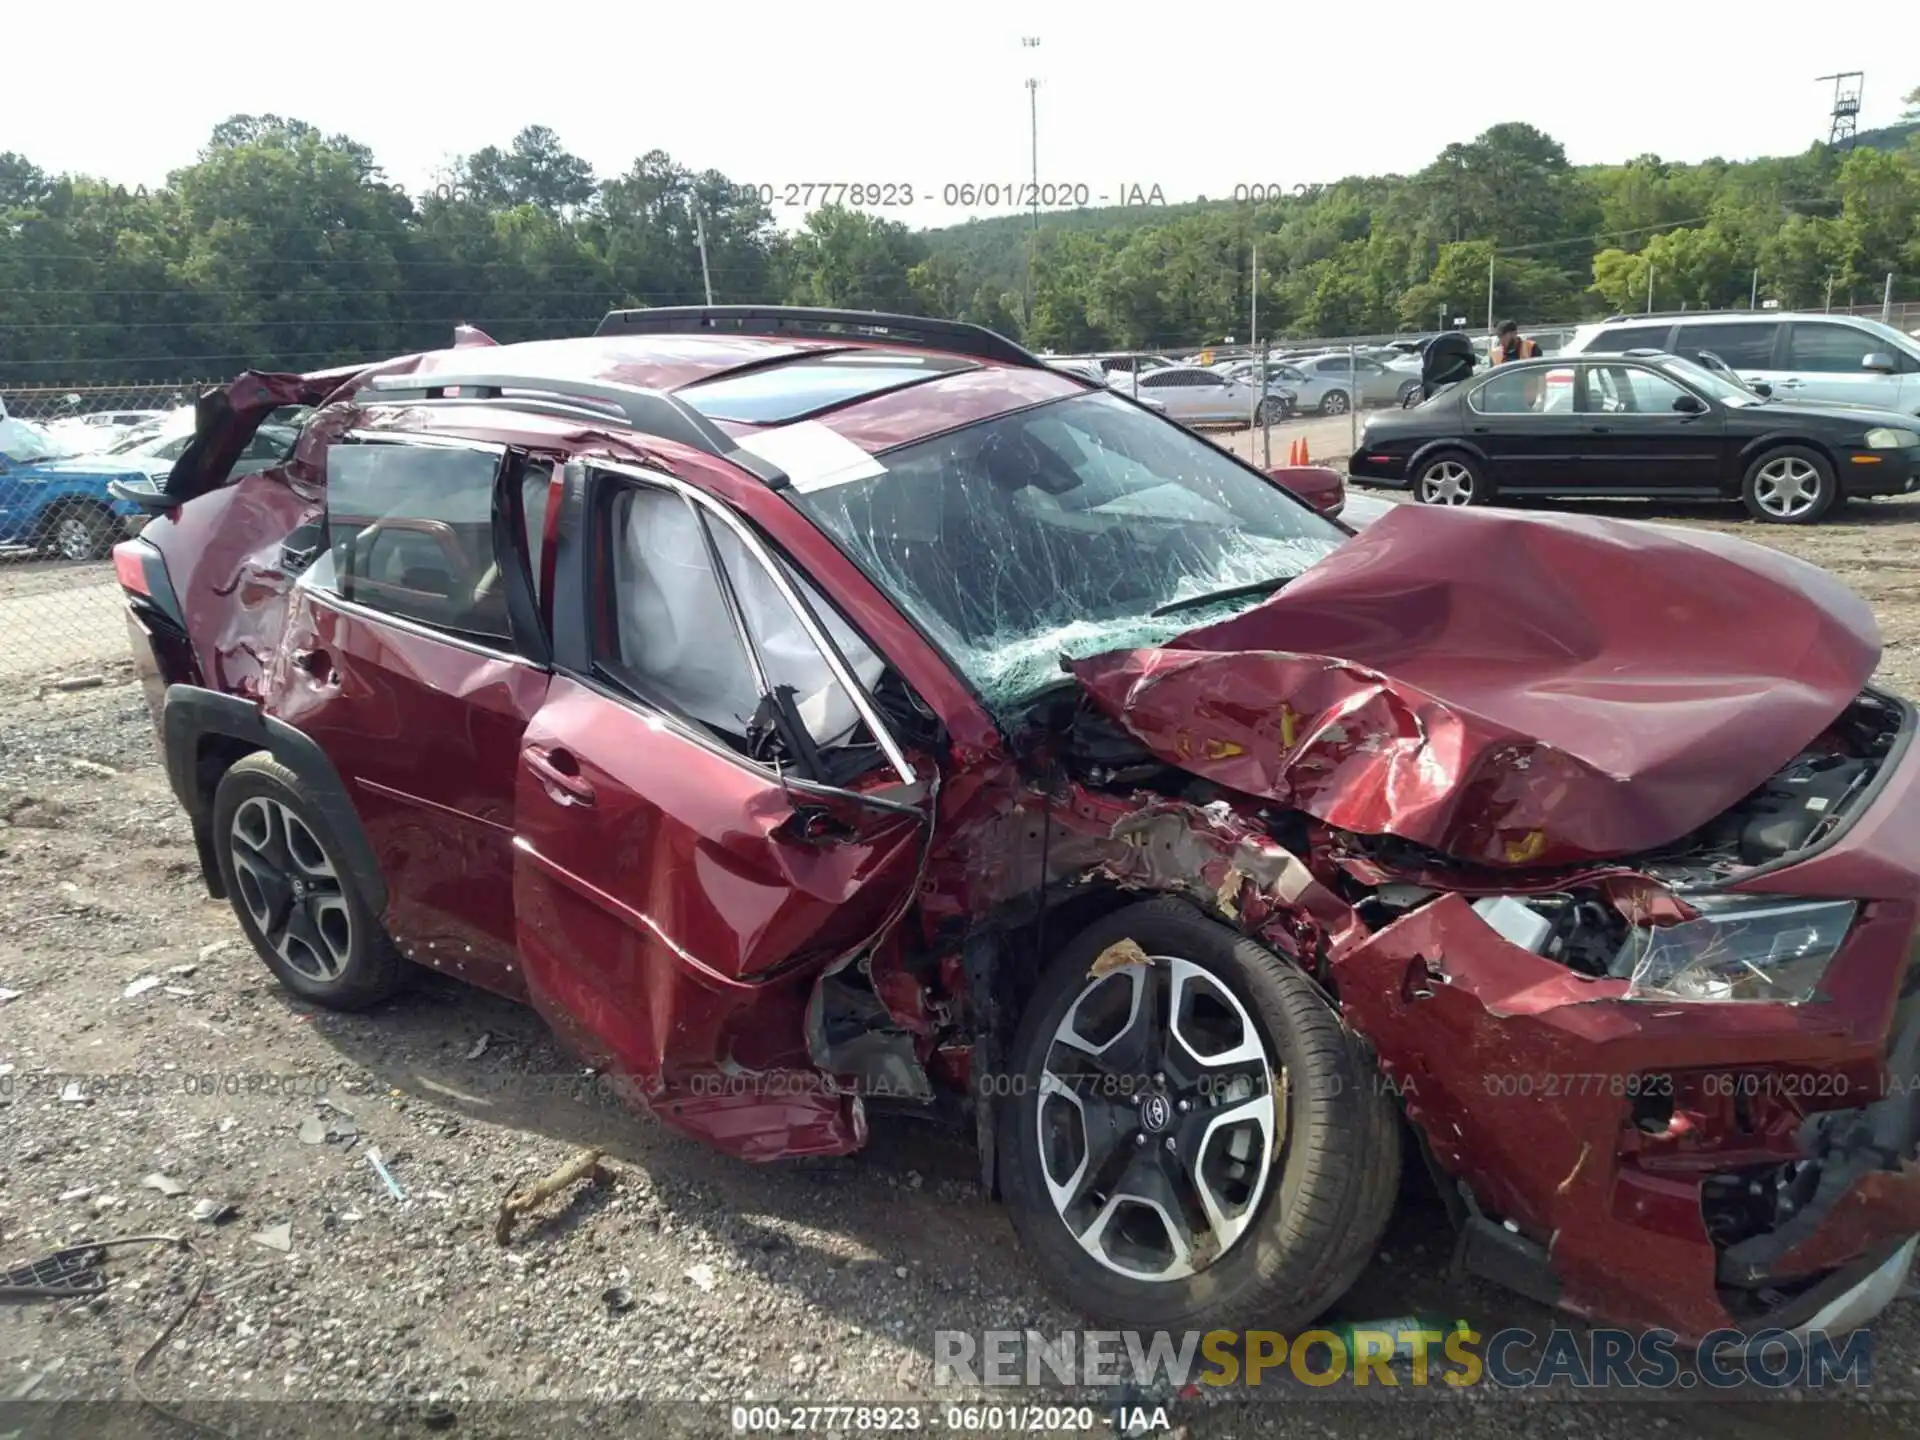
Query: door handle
{"type": "Point", "coordinates": [1602, 429]}
{"type": "Point", "coordinates": [560, 773]}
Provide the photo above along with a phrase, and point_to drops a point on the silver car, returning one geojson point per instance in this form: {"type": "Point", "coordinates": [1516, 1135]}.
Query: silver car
{"type": "Point", "coordinates": [1798, 357]}
{"type": "Point", "coordinates": [1194, 395]}
{"type": "Point", "coordinates": [1326, 383]}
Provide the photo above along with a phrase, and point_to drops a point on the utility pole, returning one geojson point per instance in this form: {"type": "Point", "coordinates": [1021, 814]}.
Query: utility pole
{"type": "Point", "coordinates": [1650, 270]}
{"type": "Point", "coordinates": [1886, 301]}
{"type": "Point", "coordinates": [1490, 259]}
{"type": "Point", "coordinates": [1753, 295]}
{"type": "Point", "coordinates": [1253, 298]}
{"type": "Point", "coordinates": [700, 231]}
{"type": "Point", "coordinates": [1032, 42]}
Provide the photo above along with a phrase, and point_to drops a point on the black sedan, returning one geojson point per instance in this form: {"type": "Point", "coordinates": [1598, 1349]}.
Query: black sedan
{"type": "Point", "coordinates": [1640, 424]}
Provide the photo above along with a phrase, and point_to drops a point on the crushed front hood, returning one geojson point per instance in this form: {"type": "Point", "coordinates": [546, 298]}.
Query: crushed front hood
{"type": "Point", "coordinates": [1508, 689]}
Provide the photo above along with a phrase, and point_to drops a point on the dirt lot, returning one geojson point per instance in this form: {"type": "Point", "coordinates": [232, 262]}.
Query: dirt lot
{"type": "Point", "coordinates": [818, 1281]}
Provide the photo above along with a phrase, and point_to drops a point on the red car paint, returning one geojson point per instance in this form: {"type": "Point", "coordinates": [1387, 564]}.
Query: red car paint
{"type": "Point", "coordinates": [1320, 486]}
{"type": "Point", "coordinates": [1532, 700]}
{"type": "Point", "coordinates": [1484, 683]}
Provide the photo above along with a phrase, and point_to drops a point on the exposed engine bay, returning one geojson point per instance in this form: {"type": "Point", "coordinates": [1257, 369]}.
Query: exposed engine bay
{"type": "Point", "coordinates": [1800, 807]}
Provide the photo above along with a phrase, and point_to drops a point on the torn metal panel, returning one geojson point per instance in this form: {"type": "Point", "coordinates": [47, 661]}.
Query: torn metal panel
{"type": "Point", "coordinates": [1591, 1121]}
{"type": "Point", "coordinates": [1490, 686]}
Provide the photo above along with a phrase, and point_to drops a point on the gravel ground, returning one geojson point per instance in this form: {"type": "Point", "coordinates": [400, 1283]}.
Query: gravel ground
{"type": "Point", "coordinates": [815, 1281]}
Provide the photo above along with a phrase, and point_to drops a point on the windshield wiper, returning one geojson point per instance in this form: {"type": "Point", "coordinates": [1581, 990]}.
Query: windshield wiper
{"type": "Point", "coordinates": [1232, 592]}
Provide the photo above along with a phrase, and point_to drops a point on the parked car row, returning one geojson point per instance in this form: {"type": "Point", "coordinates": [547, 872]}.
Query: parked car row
{"type": "Point", "coordinates": [62, 504]}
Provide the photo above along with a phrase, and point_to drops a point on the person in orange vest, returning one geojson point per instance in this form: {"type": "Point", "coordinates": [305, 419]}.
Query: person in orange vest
{"type": "Point", "coordinates": [1510, 344]}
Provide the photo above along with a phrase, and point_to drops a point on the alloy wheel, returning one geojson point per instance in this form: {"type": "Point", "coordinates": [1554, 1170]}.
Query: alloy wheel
{"type": "Point", "coordinates": [73, 538]}
{"type": "Point", "coordinates": [1787, 487]}
{"type": "Point", "coordinates": [291, 889]}
{"type": "Point", "coordinates": [1335, 403]}
{"type": "Point", "coordinates": [1159, 1119]}
{"type": "Point", "coordinates": [1446, 482]}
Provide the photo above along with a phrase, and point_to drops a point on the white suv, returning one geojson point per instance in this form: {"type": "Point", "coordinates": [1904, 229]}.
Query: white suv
{"type": "Point", "coordinates": [1802, 357]}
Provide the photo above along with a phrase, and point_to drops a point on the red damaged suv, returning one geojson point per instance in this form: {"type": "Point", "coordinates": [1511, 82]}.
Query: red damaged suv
{"type": "Point", "coordinates": [811, 713]}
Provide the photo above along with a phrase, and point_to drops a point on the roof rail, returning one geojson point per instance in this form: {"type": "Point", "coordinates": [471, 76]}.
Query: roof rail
{"type": "Point", "coordinates": [1693, 315]}
{"type": "Point", "coordinates": [653, 412]}
{"type": "Point", "coordinates": [919, 331]}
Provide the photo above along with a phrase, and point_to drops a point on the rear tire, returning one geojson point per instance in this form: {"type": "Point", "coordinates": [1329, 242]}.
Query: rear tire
{"type": "Point", "coordinates": [1451, 477]}
{"type": "Point", "coordinates": [1791, 485]}
{"type": "Point", "coordinates": [1334, 402]}
{"type": "Point", "coordinates": [283, 869]}
{"type": "Point", "coordinates": [1291, 1213]}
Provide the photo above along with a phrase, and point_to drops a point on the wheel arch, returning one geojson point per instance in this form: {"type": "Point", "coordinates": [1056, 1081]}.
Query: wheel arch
{"type": "Point", "coordinates": [65, 503]}
{"type": "Point", "coordinates": [204, 733]}
{"type": "Point", "coordinates": [1432, 448]}
{"type": "Point", "coordinates": [1762, 445]}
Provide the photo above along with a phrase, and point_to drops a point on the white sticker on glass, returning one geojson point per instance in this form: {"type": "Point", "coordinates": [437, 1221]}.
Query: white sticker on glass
{"type": "Point", "coordinates": [813, 456]}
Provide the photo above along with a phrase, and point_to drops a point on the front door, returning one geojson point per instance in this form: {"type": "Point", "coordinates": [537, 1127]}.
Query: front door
{"type": "Point", "coordinates": [1825, 361]}
{"type": "Point", "coordinates": [1636, 441]}
{"type": "Point", "coordinates": [414, 658]}
{"type": "Point", "coordinates": [710, 813]}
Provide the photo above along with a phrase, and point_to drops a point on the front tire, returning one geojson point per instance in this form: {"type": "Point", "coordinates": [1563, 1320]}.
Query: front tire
{"type": "Point", "coordinates": [1451, 477]}
{"type": "Point", "coordinates": [1271, 411]}
{"type": "Point", "coordinates": [1195, 1142]}
{"type": "Point", "coordinates": [81, 532]}
{"type": "Point", "coordinates": [283, 869]}
{"type": "Point", "coordinates": [1793, 485]}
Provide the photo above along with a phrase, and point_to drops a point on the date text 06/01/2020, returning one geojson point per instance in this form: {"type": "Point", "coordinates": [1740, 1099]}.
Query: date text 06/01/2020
{"type": "Point", "coordinates": [995, 1419]}
{"type": "Point", "coordinates": [954, 194]}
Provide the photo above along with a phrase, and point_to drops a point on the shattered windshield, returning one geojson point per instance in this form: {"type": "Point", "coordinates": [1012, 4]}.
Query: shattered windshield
{"type": "Point", "coordinates": [1061, 530]}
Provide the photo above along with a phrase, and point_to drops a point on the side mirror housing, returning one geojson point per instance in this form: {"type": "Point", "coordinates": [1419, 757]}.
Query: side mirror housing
{"type": "Point", "coordinates": [1878, 361]}
{"type": "Point", "coordinates": [1690, 405]}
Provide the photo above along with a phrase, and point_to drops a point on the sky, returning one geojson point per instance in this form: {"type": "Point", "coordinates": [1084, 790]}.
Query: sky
{"type": "Point", "coordinates": [1195, 99]}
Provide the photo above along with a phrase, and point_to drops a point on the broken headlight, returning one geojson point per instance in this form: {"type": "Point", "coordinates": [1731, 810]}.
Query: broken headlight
{"type": "Point", "coordinates": [1741, 948]}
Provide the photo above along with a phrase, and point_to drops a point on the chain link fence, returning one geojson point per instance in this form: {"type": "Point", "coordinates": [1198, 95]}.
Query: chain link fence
{"type": "Point", "coordinates": [60, 608]}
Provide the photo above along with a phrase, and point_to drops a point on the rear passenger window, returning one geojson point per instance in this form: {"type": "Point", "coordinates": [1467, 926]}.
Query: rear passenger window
{"type": "Point", "coordinates": [1744, 347]}
{"type": "Point", "coordinates": [1511, 392]}
{"type": "Point", "coordinates": [1829, 348]}
{"type": "Point", "coordinates": [410, 533]}
{"type": "Point", "coordinates": [1616, 338]}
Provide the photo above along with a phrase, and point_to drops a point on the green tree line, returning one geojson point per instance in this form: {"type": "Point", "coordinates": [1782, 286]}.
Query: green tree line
{"type": "Point", "coordinates": [282, 247]}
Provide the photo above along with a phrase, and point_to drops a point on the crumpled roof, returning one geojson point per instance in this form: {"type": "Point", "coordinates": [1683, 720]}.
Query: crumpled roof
{"type": "Point", "coordinates": [1508, 689]}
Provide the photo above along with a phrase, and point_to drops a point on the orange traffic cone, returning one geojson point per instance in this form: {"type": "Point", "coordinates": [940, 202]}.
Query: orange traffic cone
{"type": "Point", "coordinates": [1293, 452]}
{"type": "Point", "coordinates": [1305, 459]}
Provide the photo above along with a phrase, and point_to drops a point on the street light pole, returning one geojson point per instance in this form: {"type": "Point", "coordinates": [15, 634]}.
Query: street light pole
{"type": "Point", "coordinates": [1032, 42]}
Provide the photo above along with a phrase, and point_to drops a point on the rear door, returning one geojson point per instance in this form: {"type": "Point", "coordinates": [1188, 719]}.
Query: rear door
{"type": "Point", "coordinates": [414, 657]}
{"type": "Point", "coordinates": [1522, 420]}
{"type": "Point", "coordinates": [1751, 348]}
{"type": "Point", "coordinates": [1635, 441]}
{"type": "Point", "coordinates": [710, 812]}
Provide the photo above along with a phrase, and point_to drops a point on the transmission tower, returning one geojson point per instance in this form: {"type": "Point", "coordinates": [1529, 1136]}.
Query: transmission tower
{"type": "Point", "coordinates": [1846, 106]}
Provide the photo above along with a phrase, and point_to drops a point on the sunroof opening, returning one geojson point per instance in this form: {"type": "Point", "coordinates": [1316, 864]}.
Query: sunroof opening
{"type": "Point", "coordinates": [806, 385]}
